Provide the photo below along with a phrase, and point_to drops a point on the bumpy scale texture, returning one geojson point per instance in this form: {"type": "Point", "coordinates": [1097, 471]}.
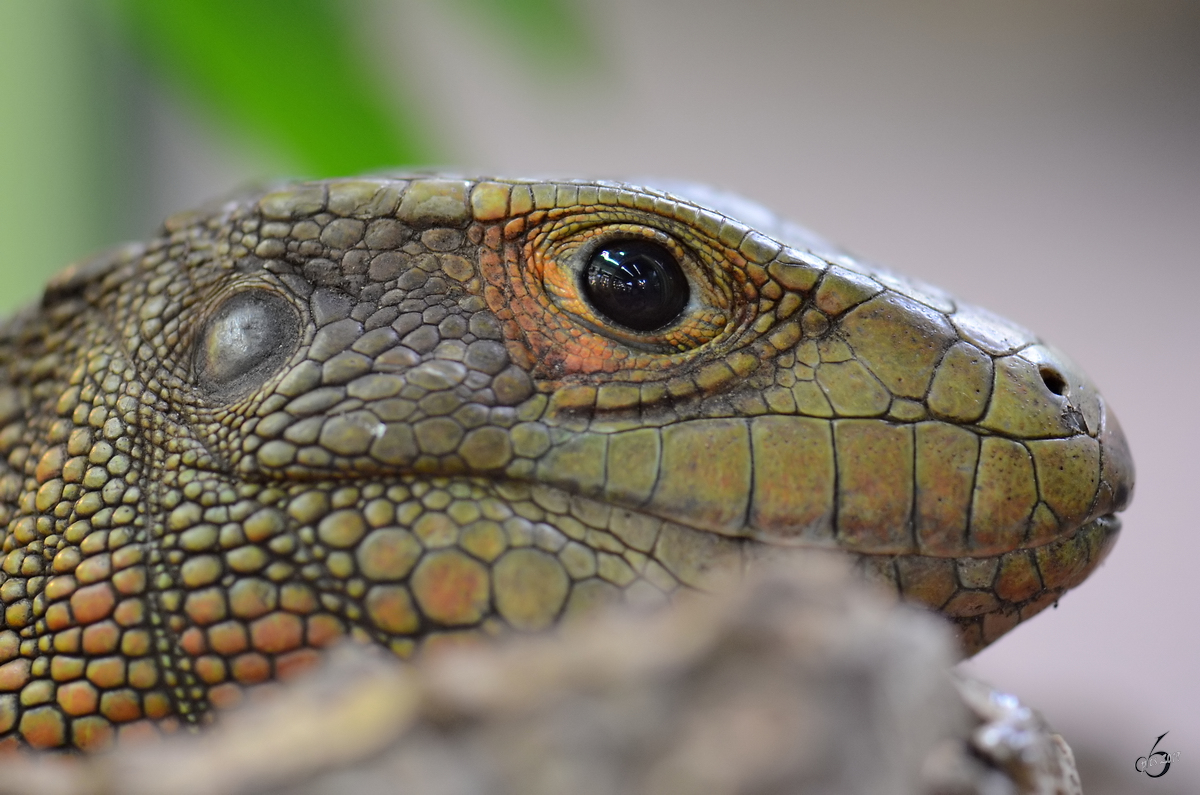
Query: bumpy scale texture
{"type": "Point", "coordinates": [386, 409]}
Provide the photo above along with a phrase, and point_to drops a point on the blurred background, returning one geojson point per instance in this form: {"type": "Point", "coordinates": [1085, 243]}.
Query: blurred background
{"type": "Point", "coordinates": [1042, 159]}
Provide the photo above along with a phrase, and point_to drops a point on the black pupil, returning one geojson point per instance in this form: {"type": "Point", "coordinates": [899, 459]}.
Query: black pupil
{"type": "Point", "coordinates": [636, 283]}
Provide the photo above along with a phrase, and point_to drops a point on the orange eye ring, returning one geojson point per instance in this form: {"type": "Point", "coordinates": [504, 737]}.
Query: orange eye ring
{"type": "Point", "coordinates": [703, 317]}
{"type": "Point", "coordinates": [540, 289]}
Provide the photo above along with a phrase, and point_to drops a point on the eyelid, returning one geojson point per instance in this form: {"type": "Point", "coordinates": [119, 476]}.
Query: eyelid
{"type": "Point", "coordinates": [218, 373]}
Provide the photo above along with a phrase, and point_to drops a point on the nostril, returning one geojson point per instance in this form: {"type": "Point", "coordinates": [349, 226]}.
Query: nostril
{"type": "Point", "coordinates": [1053, 380]}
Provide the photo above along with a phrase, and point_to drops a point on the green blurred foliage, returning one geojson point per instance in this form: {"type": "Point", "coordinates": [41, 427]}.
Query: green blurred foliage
{"type": "Point", "coordinates": [550, 30]}
{"type": "Point", "coordinates": [53, 168]}
{"type": "Point", "coordinates": [292, 72]}
{"type": "Point", "coordinates": [294, 76]}
{"type": "Point", "coordinates": [286, 71]}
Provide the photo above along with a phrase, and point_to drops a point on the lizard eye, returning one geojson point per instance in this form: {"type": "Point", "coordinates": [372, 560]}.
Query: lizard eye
{"type": "Point", "coordinates": [636, 283]}
{"type": "Point", "coordinates": [250, 336]}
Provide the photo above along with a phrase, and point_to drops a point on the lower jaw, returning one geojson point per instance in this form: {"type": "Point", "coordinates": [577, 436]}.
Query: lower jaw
{"type": "Point", "coordinates": [986, 597]}
{"type": "Point", "coordinates": [983, 597]}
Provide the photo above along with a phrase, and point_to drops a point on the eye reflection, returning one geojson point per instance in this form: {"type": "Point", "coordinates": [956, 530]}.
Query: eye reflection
{"type": "Point", "coordinates": [636, 283]}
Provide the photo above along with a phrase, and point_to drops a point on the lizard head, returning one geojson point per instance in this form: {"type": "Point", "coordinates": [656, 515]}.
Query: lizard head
{"type": "Point", "coordinates": [420, 408]}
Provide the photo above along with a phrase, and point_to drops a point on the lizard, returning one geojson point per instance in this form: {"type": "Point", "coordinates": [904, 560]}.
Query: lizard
{"type": "Point", "coordinates": [423, 410]}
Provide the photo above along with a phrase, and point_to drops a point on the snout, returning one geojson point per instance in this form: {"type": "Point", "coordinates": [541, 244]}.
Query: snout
{"type": "Point", "coordinates": [1116, 467]}
{"type": "Point", "coordinates": [1071, 393]}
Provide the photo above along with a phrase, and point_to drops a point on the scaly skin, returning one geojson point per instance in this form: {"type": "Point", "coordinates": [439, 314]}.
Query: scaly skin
{"type": "Point", "coordinates": [444, 439]}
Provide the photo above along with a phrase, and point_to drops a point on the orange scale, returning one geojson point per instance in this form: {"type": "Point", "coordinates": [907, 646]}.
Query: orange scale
{"type": "Point", "coordinates": [78, 698]}
{"type": "Point", "coordinates": [58, 617]}
{"type": "Point", "coordinates": [14, 675]}
{"type": "Point", "coordinates": [451, 588]}
{"type": "Point", "coordinates": [130, 581]}
{"type": "Point", "coordinates": [101, 638]}
{"type": "Point", "coordinates": [293, 664]}
{"type": "Point", "coordinates": [64, 668]}
{"type": "Point", "coordinates": [605, 362]}
{"type": "Point", "coordinates": [127, 556]}
{"type": "Point", "coordinates": [252, 597]}
{"type": "Point", "coordinates": [158, 705]}
{"type": "Point", "coordinates": [60, 587]}
{"type": "Point", "coordinates": [210, 669]}
{"type": "Point", "coordinates": [324, 629]}
{"type": "Point", "coordinates": [136, 643]}
{"type": "Point", "coordinates": [491, 294]}
{"type": "Point", "coordinates": [531, 325]}
{"type": "Point", "coordinates": [93, 603]}
{"type": "Point", "coordinates": [143, 674]}
{"type": "Point", "coordinates": [297, 598]}
{"type": "Point", "coordinates": [228, 638]}
{"type": "Point", "coordinates": [277, 632]}
{"type": "Point", "coordinates": [94, 569]}
{"type": "Point", "coordinates": [50, 465]}
{"type": "Point", "coordinates": [193, 641]}
{"type": "Point", "coordinates": [520, 296]}
{"type": "Point", "coordinates": [10, 746]}
{"type": "Point", "coordinates": [206, 607]}
{"type": "Point", "coordinates": [121, 706]}
{"type": "Point", "coordinates": [251, 668]}
{"type": "Point", "coordinates": [130, 612]}
{"type": "Point", "coordinates": [44, 727]}
{"type": "Point", "coordinates": [68, 641]}
{"type": "Point", "coordinates": [107, 672]}
{"type": "Point", "coordinates": [92, 734]}
{"type": "Point", "coordinates": [225, 696]}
